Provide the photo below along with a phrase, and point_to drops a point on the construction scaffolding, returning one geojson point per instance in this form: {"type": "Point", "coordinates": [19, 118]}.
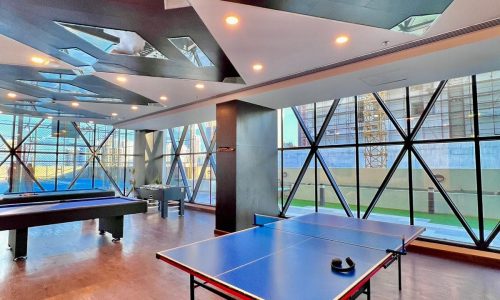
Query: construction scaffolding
{"type": "Point", "coordinates": [374, 131]}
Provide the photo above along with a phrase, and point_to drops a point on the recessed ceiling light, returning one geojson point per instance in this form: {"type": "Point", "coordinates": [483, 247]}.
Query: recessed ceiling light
{"type": "Point", "coordinates": [232, 20]}
{"type": "Point", "coordinates": [75, 104]}
{"type": "Point", "coordinates": [163, 98]}
{"type": "Point", "coordinates": [121, 79]}
{"type": "Point", "coordinates": [134, 107]}
{"type": "Point", "coordinates": [11, 95]}
{"type": "Point", "coordinates": [39, 60]}
{"type": "Point", "coordinates": [342, 39]}
{"type": "Point", "coordinates": [114, 114]}
{"type": "Point", "coordinates": [50, 117]}
{"type": "Point", "coordinates": [199, 86]}
{"type": "Point", "coordinates": [1, 112]}
{"type": "Point", "coordinates": [91, 122]}
{"type": "Point", "coordinates": [257, 67]}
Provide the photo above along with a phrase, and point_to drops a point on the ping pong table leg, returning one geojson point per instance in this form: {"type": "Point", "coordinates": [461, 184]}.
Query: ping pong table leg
{"type": "Point", "coordinates": [368, 292]}
{"type": "Point", "coordinates": [191, 286]}
{"type": "Point", "coordinates": [399, 271]}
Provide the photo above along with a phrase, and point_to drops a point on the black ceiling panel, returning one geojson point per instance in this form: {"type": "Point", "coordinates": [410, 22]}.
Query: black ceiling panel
{"type": "Point", "coordinates": [33, 22]}
{"type": "Point", "coordinates": [376, 13]}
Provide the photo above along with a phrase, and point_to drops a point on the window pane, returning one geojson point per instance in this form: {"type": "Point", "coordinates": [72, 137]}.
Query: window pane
{"type": "Point", "coordinates": [342, 126]}
{"type": "Point", "coordinates": [395, 100]}
{"type": "Point", "coordinates": [373, 124]}
{"type": "Point", "coordinates": [303, 201]}
{"type": "Point", "coordinates": [341, 163]}
{"type": "Point", "coordinates": [453, 165]}
{"type": "Point", "coordinates": [293, 160]}
{"type": "Point", "coordinates": [451, 115]}
{"type": "Point", "coordinates": [374, 164]}
{"type": "Point", "coordinates": [490, 177]}
{"type": "Point", "coordinates": [488, 97]}
{"type": "Point", "coordinates": [292, 132]}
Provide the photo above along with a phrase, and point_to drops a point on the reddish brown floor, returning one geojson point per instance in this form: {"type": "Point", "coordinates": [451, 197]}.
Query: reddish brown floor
{"type": "Point", "coordinates": [71, 261]}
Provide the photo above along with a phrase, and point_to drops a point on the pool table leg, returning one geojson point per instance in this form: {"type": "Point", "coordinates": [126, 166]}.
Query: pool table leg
{"type": "Point", "coordinates": [18, 242]}
{"type": "Point", "coordinates": [113, 225]}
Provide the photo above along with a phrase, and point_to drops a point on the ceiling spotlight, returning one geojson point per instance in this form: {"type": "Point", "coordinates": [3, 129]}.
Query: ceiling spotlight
{"type": "Point", "coordinates": [11, 95]}
{"type": "Point", "coordinates": [163, 98]}
{"type": "Point", "coordinates": [39, 61]}
{"type": "Point", "coordinates": [121, 79]}
{"type": "Point", "coordinates": [134, 107]}
{"type": "Point", "coordinates": [232, 20]}
{"type": "Point", "coordinates": [342, 39]}
{"type": "Point", "coordinates": [257, 67]}
{"type": "Point", "coordinates": [75, 104]}
{"type": "Point", "coordinates": [199, 86]}
{"type": "Point", "coordinates": [91, 122]}
{"type": "Point", "coordinates": [1, 112]}
{"type": "Point", "coordinates": [50, 117]}
{"type": "Point", "coordinates": [114, 114]}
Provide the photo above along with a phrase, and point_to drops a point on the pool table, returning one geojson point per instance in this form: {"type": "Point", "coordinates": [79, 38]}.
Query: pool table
{"type": "Point", "coordinates": [17, 218]}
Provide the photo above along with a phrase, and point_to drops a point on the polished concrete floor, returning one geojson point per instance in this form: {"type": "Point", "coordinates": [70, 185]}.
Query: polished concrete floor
{"type": "Point", "coordinates": [71, 261]}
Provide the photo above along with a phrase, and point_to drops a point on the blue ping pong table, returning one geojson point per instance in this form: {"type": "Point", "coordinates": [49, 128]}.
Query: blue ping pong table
{"type": "Point", "coordinates": [291, 259]}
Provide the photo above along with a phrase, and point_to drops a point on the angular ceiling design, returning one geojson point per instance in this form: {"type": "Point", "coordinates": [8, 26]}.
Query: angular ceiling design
{"type": "Point", "coordinates": [130, 37]}
{"type": "Point", "coordinates": [404, 15]}
{"type": "Point", "coordinates": [153, 64]}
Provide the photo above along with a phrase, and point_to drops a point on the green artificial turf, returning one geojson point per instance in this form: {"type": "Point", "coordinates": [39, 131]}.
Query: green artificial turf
{"type": "Point", "coordinates": [445, 219]}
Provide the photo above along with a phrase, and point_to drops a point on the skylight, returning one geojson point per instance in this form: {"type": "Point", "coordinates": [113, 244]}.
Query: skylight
{"type": "Point", "coordinates": [57, 76]}
{"type": "Point", "coordinates": [416, 25]}
{"type": "Point", "coordinates": [191, 51]}
{"type": "Point", "coordinates": [32, 107]}
{"type": "Point", "coordinates": [114, 41]}
{"type": "Point", "coordinates": [80, 55]}
{"type": "Point", "coordinates": [99, 99]}
{"type": "Point", "coordinates": [57, 87]}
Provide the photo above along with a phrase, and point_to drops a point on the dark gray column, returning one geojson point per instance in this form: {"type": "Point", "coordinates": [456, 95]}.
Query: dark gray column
{"type": "Point", "coordinates": [247, 166]}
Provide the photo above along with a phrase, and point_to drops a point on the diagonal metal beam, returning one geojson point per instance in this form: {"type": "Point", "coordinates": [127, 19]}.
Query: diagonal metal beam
{"type": "Point", "coordinates": [32, 176]}
{"type": "Point", "coordinates": [80, 172]}
{"type": "Point", "coordinates": [109, 176]}
{"type": "Point", "coordinates": [6, 144]}
{"type": "Point", "coordinates": [208, 145]}
{"type": "Point", "coordinates": [303, 125]}
{"type": "Point", "coordinates": [492, 236]}
{"type": "Point", "coordinates": [28, 135]}
{"type": "Point", "coordinates": [445, 195]}
{"type": "Point", "coordinates": [203, 135]}
{"type": "Point", "coordinates": [177, 149]}
{"type": "Point", "coordinates": [184, 178]}
{"type": "Point", "coordinates": [106, 138]}
{"type": "Point", "coordinates": [176, 155]}
{"type": "Point", "coordinates": [427, 109]}
{"type": "Point", "coordinates": [314, 150]}
{"type": "Point", "coordinates": [334, 185]}
{"type": "Point", "coordinates": [200, 177]}
{"type": "Point", "coordinates": [389, 115]}
{"type": "Point", "coordinates": [385, 182]}
{"type": "Point", "coordinates": [5, 159]}
{"type": "Point", "coordinates": [295, 186]}
{"type": "Point", "coordinates": [77, 128]}
{"type": "Point", "coordinates": [211, 151]}
{"type": "Point", "coordinates": [327, 120]}
{"type": "Point", "coordinates": [208, 158]}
